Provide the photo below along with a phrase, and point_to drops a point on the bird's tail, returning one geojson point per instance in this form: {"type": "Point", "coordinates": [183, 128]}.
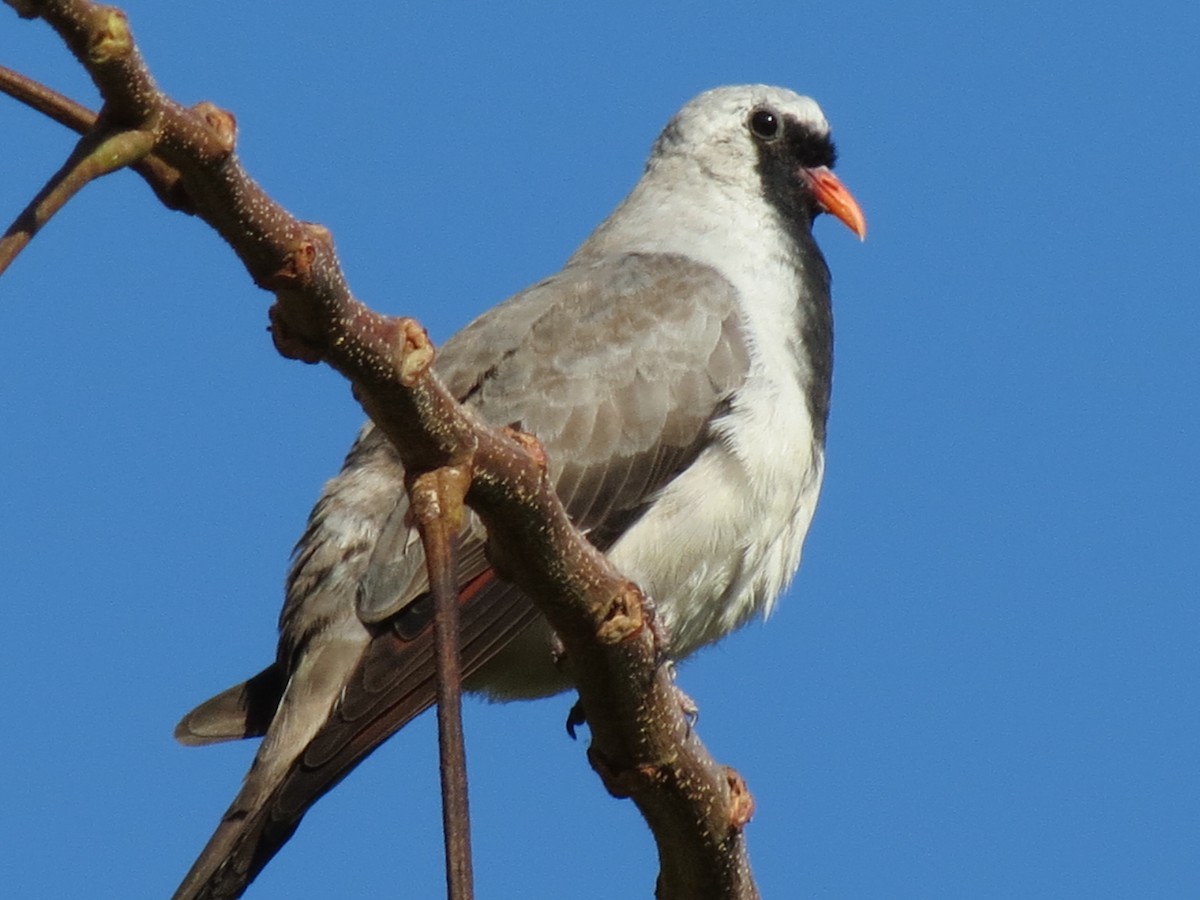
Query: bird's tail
{"type": "Point", "coordinates": [243, 711]}
{"type": "Point", "coordinates": [254, 826]}
{"type": "Point", "coordinates": [391, 682]}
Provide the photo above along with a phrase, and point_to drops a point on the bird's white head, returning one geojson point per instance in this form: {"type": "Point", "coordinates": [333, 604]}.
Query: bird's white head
{"type": "Point", "coordinates": [784, 137]}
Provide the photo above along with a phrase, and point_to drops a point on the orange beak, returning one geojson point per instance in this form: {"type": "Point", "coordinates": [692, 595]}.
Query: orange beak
{"type": "Point", "coordinates": [835, 199]}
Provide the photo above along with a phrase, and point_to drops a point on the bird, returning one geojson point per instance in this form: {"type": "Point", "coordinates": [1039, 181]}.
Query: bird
{"type": "Point", "coordinates": [677, 372]}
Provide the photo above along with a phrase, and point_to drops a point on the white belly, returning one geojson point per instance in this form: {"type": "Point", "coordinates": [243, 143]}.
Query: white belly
{"type": "Point", "coordinates": [725, 538]}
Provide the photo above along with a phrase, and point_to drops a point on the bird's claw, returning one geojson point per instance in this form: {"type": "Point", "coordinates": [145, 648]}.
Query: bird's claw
{"type": "Point", "coordinates": [688, 706]}
{"type": "Point", "coordinates": [575, 718]}
{"type": "Point", "coordinates": [558, 651]}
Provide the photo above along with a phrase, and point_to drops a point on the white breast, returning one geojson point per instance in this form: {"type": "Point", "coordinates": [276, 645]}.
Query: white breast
{"type": "Point", "coordinates": [725, 538]}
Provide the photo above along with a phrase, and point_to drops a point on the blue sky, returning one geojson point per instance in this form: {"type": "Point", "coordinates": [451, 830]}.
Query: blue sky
{"type": "Point", "coordinates": [983, 682]}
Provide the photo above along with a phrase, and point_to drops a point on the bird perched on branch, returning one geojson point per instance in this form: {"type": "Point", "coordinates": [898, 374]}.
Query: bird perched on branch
{"type": "Point", "coordinates": [676, 371]}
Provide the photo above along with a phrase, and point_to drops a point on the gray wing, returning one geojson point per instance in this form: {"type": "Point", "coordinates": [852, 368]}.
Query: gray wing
{"type": "Point", "coordinates": [618, 367]}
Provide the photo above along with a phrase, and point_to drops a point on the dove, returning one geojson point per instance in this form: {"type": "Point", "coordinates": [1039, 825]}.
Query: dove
{"type": "Point", "coordinates": [677, 373]}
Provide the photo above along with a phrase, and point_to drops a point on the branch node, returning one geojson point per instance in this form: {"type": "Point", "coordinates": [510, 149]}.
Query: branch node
{"type": "Point", "coordinates": [222, 125]}
{"type": "Point", "coordinates": [624, 617]}
{"type": "Point", "coordinates": [621, 781]}
{"type": "Point", "coordinates": [297, 266]}
{"type": "Point", "coordinates": [741, 801]}
{"type": "Point", "coordinates": [415, 349]}
{"type": "Point", "coordinates": [109, 38]}
{"type": "Point", "coordinates": [288, 344]}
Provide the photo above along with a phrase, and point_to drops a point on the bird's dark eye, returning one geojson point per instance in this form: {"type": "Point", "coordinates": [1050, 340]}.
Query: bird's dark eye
{"type": "Point", "coordinates": [765, 124]}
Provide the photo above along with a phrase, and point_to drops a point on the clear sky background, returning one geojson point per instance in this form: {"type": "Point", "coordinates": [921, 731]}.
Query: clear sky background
{"type": "Point", "coordinates": [983, 682]}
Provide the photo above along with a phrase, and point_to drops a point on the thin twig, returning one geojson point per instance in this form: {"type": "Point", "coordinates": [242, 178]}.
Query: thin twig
{"type": "Point", "coordinates": [93, 156]}
{"type": "Point", "coordinates": [436, 502]}
{"type": "Point", "coordinates": [47, 101]}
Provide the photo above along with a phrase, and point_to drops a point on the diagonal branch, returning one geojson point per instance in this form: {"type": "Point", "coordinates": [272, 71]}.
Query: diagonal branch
{"type": "Point", "coordinates": [643, 746]}
{"type": "Point", "coordinates": [35, 95]}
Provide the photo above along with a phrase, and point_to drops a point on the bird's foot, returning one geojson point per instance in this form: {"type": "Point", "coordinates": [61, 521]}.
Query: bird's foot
{"type": "Point", "coordinates": [575, 718]}
{"type": "Point", "coordinates": [688, 706]}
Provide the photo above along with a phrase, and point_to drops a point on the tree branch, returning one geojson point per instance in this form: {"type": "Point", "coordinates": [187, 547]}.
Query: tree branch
{"type": "Point", "coordinates": [643, 744]}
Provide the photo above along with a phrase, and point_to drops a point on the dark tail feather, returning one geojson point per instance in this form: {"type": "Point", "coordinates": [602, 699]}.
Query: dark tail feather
{"type": "Point", "coordinates": [270, 805]}
{"type": "Point", "coordinates": [242, 711]}
{"type": "Point", "coordinates": [392, 685]}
